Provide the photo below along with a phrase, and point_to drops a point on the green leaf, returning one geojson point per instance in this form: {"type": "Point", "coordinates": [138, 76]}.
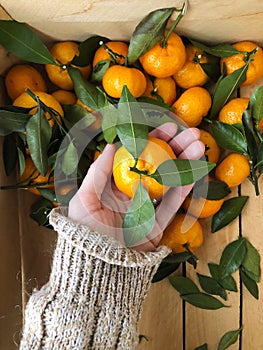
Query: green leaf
{"type": "Point", "coordinates": [203, 301]}
{"type": "Point", "coordinates": [21, 160]}
{"type": "Point", "coordinates": [40, 211]}
{"type": "Point", "coordinates": [109, 121]}
{"type": "Point", "coordinates": [21, 41]}
{"type": "Point", "coordinates": [225, 88]}
{"type": "Point", "coordinates": [183, 285]}
{"type": "Point", "coordinates": [227, 283]}
{"type": "Point", "coordinates": [148, 33]}
{"type": "Point", "coordinates": [70, 159]}
{"type": "Point", "coordinates": [220, 50]}
{"type": "Point", "coordinates": [229, 137]}
{"type": "Point", "coordinates": [181, 172]}
{"type": "Point", "coordinates": [38, 135]}
{"type": "Point", "coordinates": [256, 104]}
{"type": "Point", "coordinates": [232, 257]}
{"type": "Point", "coordinates": [202, 347]}
{"type": "Point", "coordinates": [87, 50]}
{"type": "Point", "coordinates": [250, 284]}
{"type": "Point", "coordinates": [228, 339]}
{"type": "Point", "coordinates": [211, 286]}
{"type": "Point", "coordinates": [10, 154]}
{"type": "Point", "coordinates": [212, 190]}
{"type": "Point", "coordinates": [212, 70]}
{"type": "Point", "coordinates": [251, 137]}
{"type": "Point", "coordinates": [12, 121]}
{"type": "Point", "coordinates": [99, 70]}
{"type": "Point", "coordinates": [177, 257]}
{"type": "Point", "coordinates": [164, 270]}
{"type": "Point", "coordinates": [139, 219]}
{"type": "Point", "coordinates": [85, 91]}
{"type": "Point", "coordinates": [131, 127]}
{"type": "Point", "coordinates": [251, 262]}
{"type": "Point", "coordinates": [230, 209]}
{"type": "Point", "coordinates": [48, 194]}
{"type": "Point", "coordinates": [74, 114]}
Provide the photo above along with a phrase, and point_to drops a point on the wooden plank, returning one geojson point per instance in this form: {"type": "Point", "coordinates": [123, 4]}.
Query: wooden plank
{"type": "Point", "coordinates": [162, 318]}
{"type": "Point", "coordinates": [208, 326]}
{"type": "Point", "coordinates": [252, 229]}
{"type": "Point", "coordinates": [37, 245]}
{"type": "Point", "coordinates": [10, 273]}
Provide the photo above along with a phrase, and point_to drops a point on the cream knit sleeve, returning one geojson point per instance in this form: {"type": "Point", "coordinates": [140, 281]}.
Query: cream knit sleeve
{"type": "Point", "coordinates": [94, 296]}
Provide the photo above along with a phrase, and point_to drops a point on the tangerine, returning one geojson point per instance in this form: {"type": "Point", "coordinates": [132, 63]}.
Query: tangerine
{"type": "Point", "coordinates": [156, 152]}
{"type": "Point", "coordinates": [233, 110]}
{"type": "Point", "coordinates": [201, 207]}
{"type": "Point", "coordinates": [118, 49]}
{"type": "Point", "coordinates": [63, 53]}
{"type": "Point", "coordinates": [116, 77]}
{"type": "Point", "coordinates": [161, 87]}
{"type": "Point", "coordinates": [21, 77]}
{"type": "Point", "coordinates": [65, 97]}
{"type": "Point", "coordinates": [255, 68]}
{"type": "Point", "coordinates": [212, 150]}
{"type": "Point", "coordinates": [164, 61]}
{"type": "Point", "coordinates": [183, 233]}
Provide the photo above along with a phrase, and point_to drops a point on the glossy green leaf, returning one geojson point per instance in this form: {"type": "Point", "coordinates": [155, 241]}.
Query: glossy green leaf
{"type": "Point", "coordinates": [21, 161]}
{"type": "Point", "coordinates": [148, 32]}
{"type": "Point", "coordinates": [10, 154]}
{"type": "Point", "coordinates": [212, 70]}
{"type": "Point", "coordinates": [232, 257]}
{"type": "Point", "coordinates": [256, 104]}
{"type": "Point", "coordinates": [12, 121]}
{"type": "Point", "coordinates": [131, 127]}
{"type": "Point", "coordinates": [38, 135]}
{"type": "Point", "coordinates": [211, 286]}
{"type": "Point", "coordinates": [87, 49]}
{"type": "Point", "coordinates": [75, 113]}
{"type": "Point", "coordinates": [251, 137]}
{"type": "Point", "coordinates": [227, 283]}
{"type": "Point", "coordinates": [99, 70]}
{"type": "Point", "coordinates": [228, 339]}
{"type": "Point", "coordinates": [251, 262]}
{"type": "Point", "coordinates": [156, 114]}
{"type": "Point", "coordinates": [230, 209]}
{"type": "Point", "coordinates": [203, 301]}
{"type": "Point", "coordinates": [177, 257]}
{"type": "Point", "coordinates": [109, 121]}
{"type": "Point", "coordinates": [85, 91]}
{"type": "Point", "coordinates": [250, 284]}
{"type": "Point", "coordinates": [202, 347]}
{"type": "Point", "coordinates": [226, 87]}
{"type": "Point", "coordinates": [40, 211]}
{"type": "Point", "coordinates": [212, 190]}
{"type": "Point", "coordinates": [21, 41]}
{"type": "Point", "coordinates": [139, 219]}
{"type": "Point", "coordinates": [70, 159]}
{"type": "Point", "coordinates": [183, 285]}
{"type": "Point", "coordinates": [164, 270]}
{"type": "Point", "coordinates": [181, 172]}
{"type": "Point", "coordinates": [229, 137]}
{"type": "Point", "coordinates": [47, 193]}
{"type": "Point", "coordinates": [220, 50]}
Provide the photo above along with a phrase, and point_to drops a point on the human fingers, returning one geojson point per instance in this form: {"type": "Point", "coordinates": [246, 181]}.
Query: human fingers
{"type": "Point", "coordinates": [194, 151]}
{"type": "Point", "coordinates": [184, 139]}
{"type": "Point", "coordinates": [95, 181]}
{"type": "Point", "coordinates": [165, 131]}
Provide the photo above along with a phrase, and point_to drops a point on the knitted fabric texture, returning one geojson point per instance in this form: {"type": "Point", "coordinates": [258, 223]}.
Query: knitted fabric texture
{"type": "Point", "coordinates": [94, 296]}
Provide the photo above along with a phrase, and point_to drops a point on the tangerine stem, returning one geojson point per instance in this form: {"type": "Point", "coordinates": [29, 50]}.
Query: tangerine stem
{"type": "Point", "coordinates": [182, 12]}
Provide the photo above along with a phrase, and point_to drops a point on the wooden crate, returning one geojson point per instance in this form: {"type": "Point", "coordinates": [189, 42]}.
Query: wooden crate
{"type": "Point", "coordinates": [26, 249]}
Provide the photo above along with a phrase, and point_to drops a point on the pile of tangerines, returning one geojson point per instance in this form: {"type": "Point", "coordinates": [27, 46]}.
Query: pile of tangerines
{"type": "Point", "coordinates": [171, 73]}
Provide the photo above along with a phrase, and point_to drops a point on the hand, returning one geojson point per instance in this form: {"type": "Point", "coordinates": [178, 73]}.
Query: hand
{"type": "Point", "coordinates": [101, 206]}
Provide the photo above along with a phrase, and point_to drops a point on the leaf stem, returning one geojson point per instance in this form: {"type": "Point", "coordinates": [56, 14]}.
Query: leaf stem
{"type": "Point", "coordinates": [181, 14]}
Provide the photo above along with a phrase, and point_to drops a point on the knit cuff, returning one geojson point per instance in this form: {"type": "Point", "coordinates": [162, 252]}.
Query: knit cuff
{"type": "Point", "coordinates": [95, 294]}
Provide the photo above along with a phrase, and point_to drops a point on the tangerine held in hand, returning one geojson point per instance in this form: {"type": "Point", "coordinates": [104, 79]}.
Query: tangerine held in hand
{"type": "Point", "coordinates": [156, 152]}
